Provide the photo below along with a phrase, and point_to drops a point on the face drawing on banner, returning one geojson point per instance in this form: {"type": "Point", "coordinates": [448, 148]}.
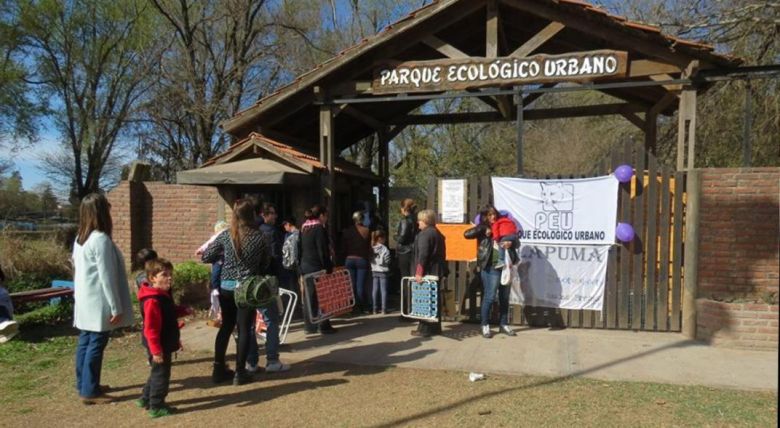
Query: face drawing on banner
{"type": "Point", "coordinates": [557, 197]}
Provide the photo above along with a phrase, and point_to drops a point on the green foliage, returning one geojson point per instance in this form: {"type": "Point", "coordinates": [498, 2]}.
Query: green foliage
{"type": "Point", "coordinates": [47, 315]}
{"type": "Point", "coordinates": [190, 282]}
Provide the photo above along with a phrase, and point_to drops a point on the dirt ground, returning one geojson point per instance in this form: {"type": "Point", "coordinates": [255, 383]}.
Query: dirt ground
{"type": "Point", "coordinates": [324, 394]}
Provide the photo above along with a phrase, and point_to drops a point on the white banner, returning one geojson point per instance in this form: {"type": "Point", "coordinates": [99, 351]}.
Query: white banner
{"type": "Point", "coordinates": [572, 211]}
{"type": "Point", "coordinates": [561, 276]}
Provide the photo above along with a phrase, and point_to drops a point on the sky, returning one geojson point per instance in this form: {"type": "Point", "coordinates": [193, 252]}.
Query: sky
{"type": "Point", "coordinates": [27, 160]}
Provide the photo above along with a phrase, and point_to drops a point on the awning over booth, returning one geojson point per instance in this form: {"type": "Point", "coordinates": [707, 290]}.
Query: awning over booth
{"type": "Point", "coordinates": [247, 171]}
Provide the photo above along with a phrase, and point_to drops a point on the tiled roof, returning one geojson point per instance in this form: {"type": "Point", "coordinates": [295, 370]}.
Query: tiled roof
{"type": "Point", "coordinates": [627, 24]}
{"type": "Point", "coordinates": [282, 150]}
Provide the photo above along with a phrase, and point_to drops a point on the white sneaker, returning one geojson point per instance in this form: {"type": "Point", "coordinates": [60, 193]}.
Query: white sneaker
{"type": "Point", "coordinates": [486, 332]}
{"type": "Point", "coordinates": [251, 368]}
{"type": "Point", "coordinates": [8, 329]}
{"type": "Point", "coordinates": [277, 366]}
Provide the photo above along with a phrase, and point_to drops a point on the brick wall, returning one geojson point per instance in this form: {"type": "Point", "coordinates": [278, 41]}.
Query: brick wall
{"type": "Point", "coordinates": [173, 219]}
{"type": "Point", "coordinates": [739, 253]}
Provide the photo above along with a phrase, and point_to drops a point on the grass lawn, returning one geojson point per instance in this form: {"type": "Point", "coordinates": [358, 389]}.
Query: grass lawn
{"type": "Point", "coordinates": [37, 389]}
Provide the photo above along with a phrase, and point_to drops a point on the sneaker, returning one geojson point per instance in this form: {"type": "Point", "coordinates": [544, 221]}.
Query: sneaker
{"type": "Point", "coordinates": [220, 373]}
{"type": "Point", "coordinates": [328, 330]}
{"type": "Point", "coordinates": [507, 330]}
{"type": "Point", "coordinates": [486, 332]}
{"type": "Point", "coordinates": [276, 367]}
{"type": "Point", "coordinates": [160, 412]}
{"type": "Point", "coordinates": [251, 368]}
{"type": "Point", "coordinates": [142, 403]}
{"type": "Point", "coordinates": [242, 377]}
{"type": "Point", "coordinates": [8, 329]}
{"type": "Point", "coordinates": [100, 399]}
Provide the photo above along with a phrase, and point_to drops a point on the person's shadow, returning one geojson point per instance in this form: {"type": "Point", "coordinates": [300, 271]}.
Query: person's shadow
{"type": "Point", "coordinates": [540, 310]}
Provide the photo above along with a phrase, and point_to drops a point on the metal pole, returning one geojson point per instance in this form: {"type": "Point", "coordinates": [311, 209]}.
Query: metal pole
{"type": "Point", "coordinates": [519, 128]}
{"type": "Point", "coordinates": [747, 145]}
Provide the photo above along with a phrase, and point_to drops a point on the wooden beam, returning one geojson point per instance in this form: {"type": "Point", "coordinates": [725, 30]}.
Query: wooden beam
{"type": "Point", "coordinates": [686, 125]}
{"type": "Point", "coordinates": [538, 39]}
{"type": "Point", "coordinates": [363, 117]}
{"type": "Point", "coordinates": [491, 29]}
{"type": "Point", "coordinates": [651, 132]}
{"type": "Point", "coordinates": [663, 103]}
{"type": "Point", "coordinates": [646, 67]}
{"type": "Point", "coordinates": [665, 77]}
{"type": "Point", "coordinates": [351, 88]}
{"type": "Point", "coordinates": [327, 156]}
{"type": "Point", "coordinates": [603, 28]}
{"type": "Point", "coordinates": [636, 120]}
{"type": "Point", "coordinates": [531, 114]}
{"type": "Point", "coordinates": [443, 47]}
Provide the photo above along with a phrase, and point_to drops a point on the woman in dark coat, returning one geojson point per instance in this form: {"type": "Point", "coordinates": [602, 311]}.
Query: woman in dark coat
{"type": "Point", "coordinates": [429, 259]}
{"type": "Point", "coordinates": [487, 258]}
{"type": "Point", "coordinates": [315, 256]}
{"type": "Point", "coordinates": [404, 237]}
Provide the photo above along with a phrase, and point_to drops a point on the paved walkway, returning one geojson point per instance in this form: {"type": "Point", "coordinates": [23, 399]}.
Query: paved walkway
{"type": "Point", "coordinates": [599, 354]}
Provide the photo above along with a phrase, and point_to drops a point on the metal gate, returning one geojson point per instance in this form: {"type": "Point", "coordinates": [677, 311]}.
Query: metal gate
{"type": "Point", "coordinates": [644, 278]}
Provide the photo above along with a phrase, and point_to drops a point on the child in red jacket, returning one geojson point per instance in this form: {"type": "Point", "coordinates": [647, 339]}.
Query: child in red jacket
{"type": "Point", "coordinates": [160, 334]}
{"type": "Point", "coordinates": [503, 230]}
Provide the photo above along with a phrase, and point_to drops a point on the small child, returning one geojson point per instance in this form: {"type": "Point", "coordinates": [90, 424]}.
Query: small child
{"type": "Point", "coordinates": [160, 334]}
{"type": "Point", "coordinates": [8, 327]}
{"type": "Point", "coordinates": [141, 258]}
{"type": "Point", "coordinates": [215, 317]}
{"type": "Point", "coordinates": [503, 230]}
{"type": "Point", "coordinates": [380, 268]}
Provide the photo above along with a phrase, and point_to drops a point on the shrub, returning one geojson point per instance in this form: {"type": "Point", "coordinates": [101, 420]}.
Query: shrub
{"type": "Point", "coordinates": [191, 283]}
{"type": "Point", "coordinates": [32, 263]}
{"type": "Point", "coordinates": [47, 315]}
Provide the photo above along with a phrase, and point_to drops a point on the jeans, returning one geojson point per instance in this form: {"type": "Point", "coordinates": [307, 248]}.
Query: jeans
{"type": "Point", "coordinates": [232, 317]}
{"type": "Point", "coordinates": [89, 362]}
{"type": "Point", "coordinates": [358, 270]}
{"type": "Point", "coordinates": [380, 283]}
{"type": "Point", "coordinates": [156, 388]}
{"type": "Point", "coordinates": [491, 279]}
{"type": "Point", "coordinates": [271, 318]}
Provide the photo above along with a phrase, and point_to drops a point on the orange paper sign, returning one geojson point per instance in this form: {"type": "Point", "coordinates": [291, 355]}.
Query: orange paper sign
{"type": "Point", "coordinates": [459, 249]}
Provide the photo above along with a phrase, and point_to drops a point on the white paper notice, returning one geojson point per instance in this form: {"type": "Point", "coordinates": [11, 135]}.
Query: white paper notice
{"type": "Point", "coordinates": [453, 201]}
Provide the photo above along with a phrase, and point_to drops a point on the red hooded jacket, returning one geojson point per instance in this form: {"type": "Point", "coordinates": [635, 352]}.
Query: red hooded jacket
{"type": "Point", "coordinates": [502, 227]}
{"type": "Point", "coordinates": [158, 331]}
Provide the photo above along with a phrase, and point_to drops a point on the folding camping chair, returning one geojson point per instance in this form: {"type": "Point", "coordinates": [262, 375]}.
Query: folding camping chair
{"type": "Point", "coordinates": [333, 291]}
{"type": "Point", "coordinates": [424, 298]}
{"type": "Point", "coordinates": [286, 309]}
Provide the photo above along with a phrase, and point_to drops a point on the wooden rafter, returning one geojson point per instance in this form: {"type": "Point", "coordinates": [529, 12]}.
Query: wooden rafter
{"type": "Point", "coordinates": [636, 120]}
{"type": "Point", "coordinates": [532, 114]}
{"type": "Point", "coordinates": [538, 39]}
{"type": "Point", "coordinates": [363, 117]}
{"type": "Point", "coordinates": [443, 47]}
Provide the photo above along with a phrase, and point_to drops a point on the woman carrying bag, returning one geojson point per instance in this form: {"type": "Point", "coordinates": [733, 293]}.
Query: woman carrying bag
{"type": "Point", "coordinates": [246, 253]}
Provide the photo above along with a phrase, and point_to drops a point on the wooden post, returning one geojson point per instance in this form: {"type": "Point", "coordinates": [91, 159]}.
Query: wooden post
{"type": "Point", "coordinates": [686, 128]}
{"type": "Point", "coordinates": [519, 126]}
{"type": "Point", "coordinates": [651, 131]}
{"type": "Point", "coordinates": [384, 172]}
{"type": "Point", "coordinates": [327, 147]}
{"type": "Point", "coordinates": [691, 273]}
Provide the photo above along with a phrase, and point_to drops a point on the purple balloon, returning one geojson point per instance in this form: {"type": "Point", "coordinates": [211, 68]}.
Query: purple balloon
{"type": "Point", "coordinates": [623, 173]}
{"type": "Point", "coordinates": [624, 232]}
{"type": "Point", "coordinates": [477, 219]}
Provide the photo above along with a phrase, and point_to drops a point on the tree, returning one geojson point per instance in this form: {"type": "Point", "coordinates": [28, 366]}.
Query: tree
{"type": "Point", "coordinates": [17, 111]}
{"type": "Point", "coordinates": [48, 200]}
{"type": "Point", "coordinates": [91, 58]}
{"type": "Point", "coordinates": [220, 56]}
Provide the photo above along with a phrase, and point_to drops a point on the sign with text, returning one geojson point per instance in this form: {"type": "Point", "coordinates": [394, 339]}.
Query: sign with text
{"type": "Point", "coordinates": [477, 72]}
{"type": "Point", "coordinates": [565, 211]}
{"type": "Point", "coordinates": [561, 276]}
{"type": "Point", "coordinates": [452, 201]}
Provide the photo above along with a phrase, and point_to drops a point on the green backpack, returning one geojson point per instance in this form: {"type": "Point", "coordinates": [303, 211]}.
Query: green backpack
{"type": "Point", "coordinates": [258, 291]}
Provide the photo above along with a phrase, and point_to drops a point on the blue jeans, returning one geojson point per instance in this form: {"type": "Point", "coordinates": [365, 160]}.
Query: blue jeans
{"type": "Point", "coordinates": [271, 318]}
{"type": "Point", "coordinates": [358, 270]}
{"type": "Point", "coordinates": [89, 362]}
{"type": "Point", "coordinates": [380, 283]}
{"type": "Point", "coordinates": [491, 279]}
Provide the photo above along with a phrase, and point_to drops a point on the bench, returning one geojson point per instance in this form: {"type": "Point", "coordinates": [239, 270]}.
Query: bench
{"type": "Point", "coordinates": [58, 290]}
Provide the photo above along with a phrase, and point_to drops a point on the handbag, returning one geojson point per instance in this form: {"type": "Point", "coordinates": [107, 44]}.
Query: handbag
{"type": "Point", "coordinates": [257, 291]}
